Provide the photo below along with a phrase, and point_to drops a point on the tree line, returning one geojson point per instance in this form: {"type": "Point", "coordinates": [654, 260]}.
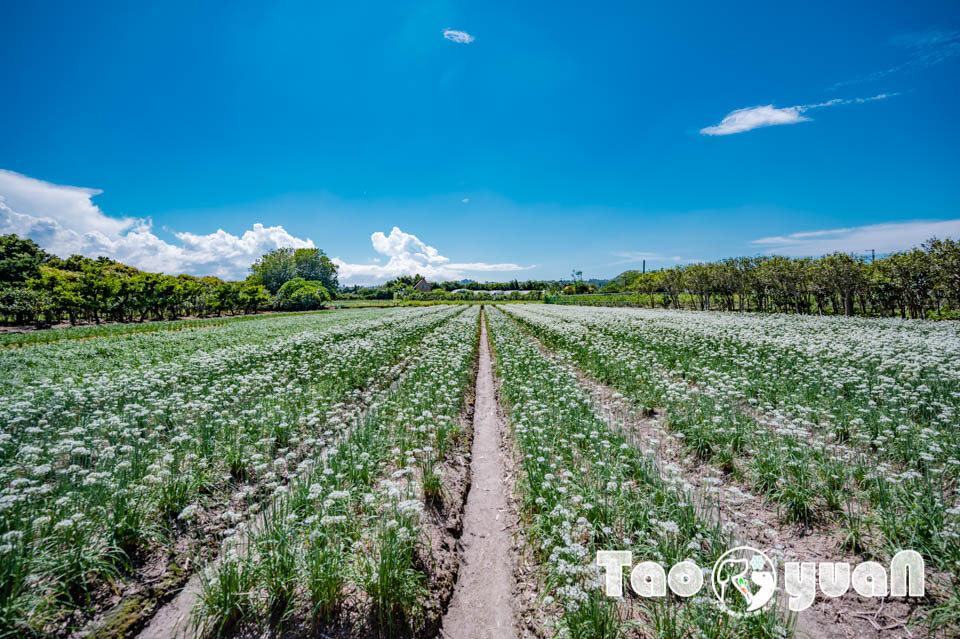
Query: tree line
{"type": "Point", "coordinates": [402, 286]}
{"type": "Point", "coordinates": [918, 283]}
{"type": "Point", "coordinates": [37, 287]}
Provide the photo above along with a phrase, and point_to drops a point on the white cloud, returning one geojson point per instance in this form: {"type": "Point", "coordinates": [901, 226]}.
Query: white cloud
{"type": "Point", "coordinates": [460, 37]}
{"type": "Point", "coordinates": [756, 117]}
{"type": "Point", "coordinates": [65, 221]}
{"type": "Point", "coordinates": [636, 257]}
{"type": "Point", "coordinates": [72, 206]}
{"type": "Point", "coordinates": [883, 238]}
{"type": "Point", "coordinates": [409, 256]}
{"type": "Point", "coordinates": [753, 118]}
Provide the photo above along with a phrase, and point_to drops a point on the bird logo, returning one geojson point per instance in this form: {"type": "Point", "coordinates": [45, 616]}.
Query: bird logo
{"type": "Point", "coordinates": [744, 580]}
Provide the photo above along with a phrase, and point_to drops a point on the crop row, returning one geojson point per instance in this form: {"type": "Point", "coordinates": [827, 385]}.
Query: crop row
{"type": "Point", "coordinates": [99, 469]}
{"type": "Point", "coordinates": [726, 416]}
{"type": "Point", "coordinates": [584, 487]}
{"type": "Point", "coordinates": [113, 330]}
{"type": "Point", "coordinates": [313, 465]}
{"type": "Point", "coordinates": [346, 542]}
{"type": "Point", "coordinates": [889, 385]}
{"type": "Point", "coordinates": [24, 371]}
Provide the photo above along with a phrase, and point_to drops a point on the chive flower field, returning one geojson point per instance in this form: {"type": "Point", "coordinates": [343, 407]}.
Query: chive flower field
{"type": "Point", "coordinates": [308, 474]}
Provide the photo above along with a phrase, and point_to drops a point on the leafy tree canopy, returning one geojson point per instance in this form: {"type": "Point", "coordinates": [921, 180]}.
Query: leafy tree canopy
{"type": "Point", "coordinates": [303, 295]}
{"type": "Point", "coordinates": [281, 265]}
{"type": "Point", "coordinates": [20, 259]}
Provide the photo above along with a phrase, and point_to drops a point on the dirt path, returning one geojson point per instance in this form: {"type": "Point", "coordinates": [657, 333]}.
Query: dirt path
{"type": "Point", "coordinates": [173, 621]}
{"type": "Point", "coordinates": [482, 602]}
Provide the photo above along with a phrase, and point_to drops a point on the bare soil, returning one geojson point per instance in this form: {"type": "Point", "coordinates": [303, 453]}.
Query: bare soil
{"type": "Point", "coordinates": [482, 604]}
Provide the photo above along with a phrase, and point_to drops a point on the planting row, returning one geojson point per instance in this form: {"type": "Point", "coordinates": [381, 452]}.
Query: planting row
{"type": "Point", "coordinates": [584, 487]}
{"type": "Point", "coordinates": [100, 470]}
{"type": "Point", "coordinates": [347, 544]}
{"type": "Point", "coordinates": [17, 339]}
{"type": "Point", "coordinates": [815, 480]}
{"type": "Point", "coordinates": [886, 385]}
{"type": "Point", "coordinates": [130, 358]}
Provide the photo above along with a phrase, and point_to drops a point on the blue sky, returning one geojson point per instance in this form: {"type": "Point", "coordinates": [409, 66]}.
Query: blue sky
{"type": "Point", "coordinates": [561, 135]}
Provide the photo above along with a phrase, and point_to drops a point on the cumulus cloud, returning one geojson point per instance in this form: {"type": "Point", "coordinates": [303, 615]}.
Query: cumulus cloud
{"type": "Point", "coordinates": [883, 238]}
{"type": "Point", "coordinates": [65, 221]}
{"type": "Point", "coordinates": [756, 117]}
{"type": "Point", "coordinates": [460, 37]}
{"type": "Point", "coordinates": [409, 255]}
{"type": "Point", "coordinates": [71, 204]}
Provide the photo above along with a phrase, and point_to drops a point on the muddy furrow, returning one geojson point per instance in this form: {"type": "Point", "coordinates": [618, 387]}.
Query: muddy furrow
{"type": "Point", "coordinates": [750, 519]}
{"type": "Point", "coordinates": [481, 607]}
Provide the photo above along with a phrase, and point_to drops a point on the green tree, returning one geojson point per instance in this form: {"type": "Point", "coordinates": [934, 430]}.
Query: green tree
{"type": "Point", "coordinates": [225, 297]}
{"type": "Point", "coordinates": [22, 303]}
{"type": "Point", "coordinates": [845, 274]}
{"type": "Point", "coordinates": [945, 255]}
{"type": "Point", "coordinates": [20, 259]}
{"type": "Point", "coordinates": [96, 287]}
{"type": "Point", "coordinates": [913, 274]}
{"type": "Point", "coordinates": [274, 269]}
{"type": "Point", "coordinates": [303, 295]}
{"type": "Point", "coordinates": [673, 280]}
{"type": "Point", "coordinates": [60, 288]}
{"type": "Point", "coordinates": [281, 265]}
{"type": "Point", "coordinates": [700, 282]}
{"type": "Point", "coordinates": [314, 265]}
{"type": "Point", "coordinates": [252, 297]}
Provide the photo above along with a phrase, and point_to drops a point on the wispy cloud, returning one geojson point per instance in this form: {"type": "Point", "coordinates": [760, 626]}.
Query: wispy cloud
{"type": "Point", "coordinates": [924, 49]}
{"type": "Point", "coordinates": [756, 117]}
{"type": "Point", "coordinates": [408, 256]}
{"type": "Point", "coordinates": [933, 42]}
{"type": "Point", "coordinates": [883, 238]}
{"type": "Point", "coordinates": [636, 257]}
{"type": "Point", "coordinates": [460, 37]}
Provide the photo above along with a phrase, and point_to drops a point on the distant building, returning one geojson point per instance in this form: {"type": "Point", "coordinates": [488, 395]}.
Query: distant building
{"type": "Point", "coordinates": [423, 286]}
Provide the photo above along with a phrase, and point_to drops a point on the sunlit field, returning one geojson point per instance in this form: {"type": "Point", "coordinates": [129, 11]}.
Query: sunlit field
{"type": "Point", "coordinates": [307, 474]}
